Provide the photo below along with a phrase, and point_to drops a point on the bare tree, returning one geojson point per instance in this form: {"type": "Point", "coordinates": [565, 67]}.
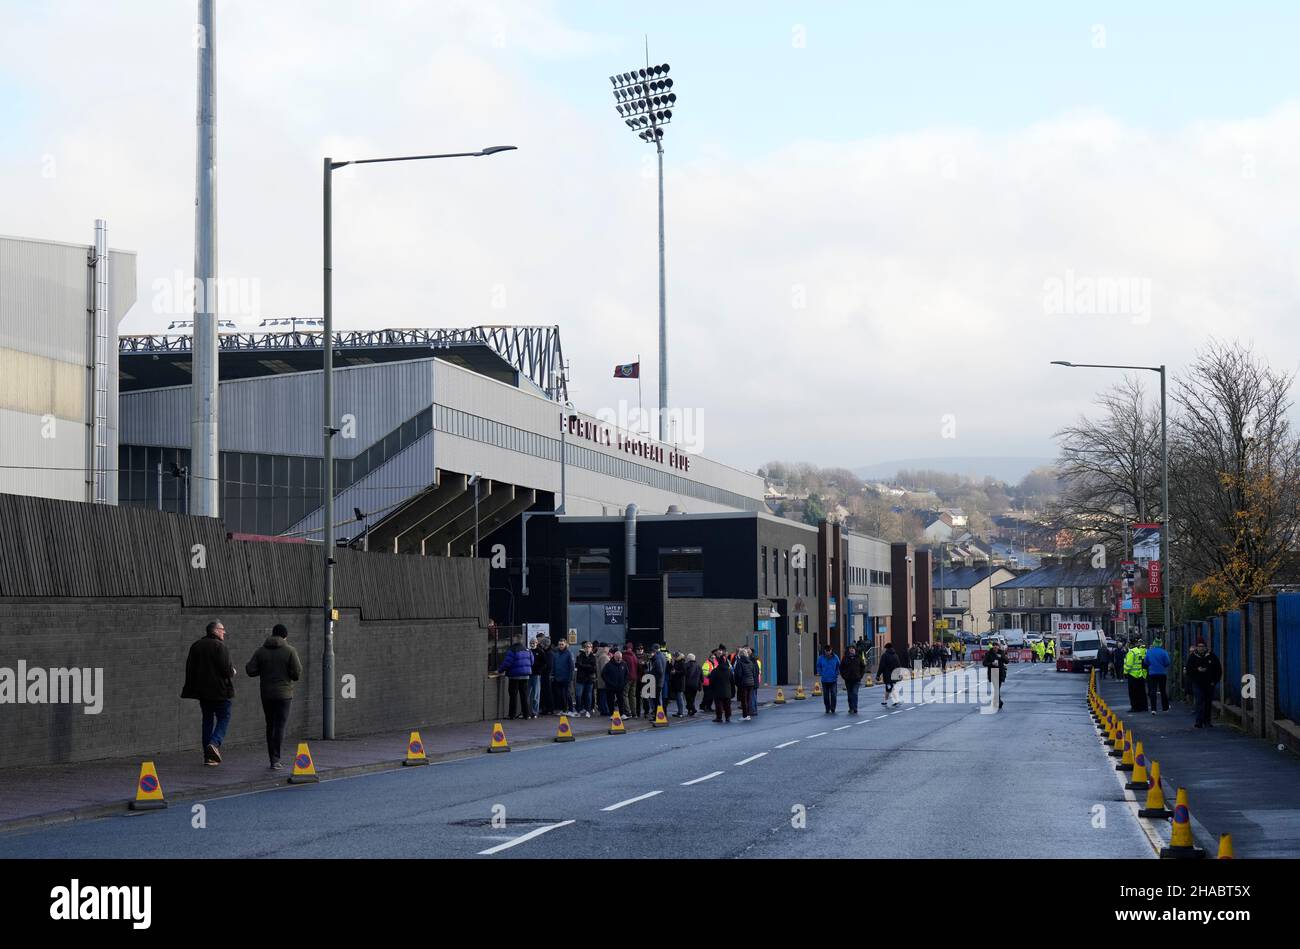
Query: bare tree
{"type": "Point", "coordinates": [1234, 472]}
{"type": "Point", "coordinates": [1110, 467]}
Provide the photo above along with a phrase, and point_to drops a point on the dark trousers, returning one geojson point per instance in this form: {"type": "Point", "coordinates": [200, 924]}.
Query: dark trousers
{"type": "Point", "coordinates": [1204, 697]}
{"type": "Point", "coordinates": [829, 694]}
{"type": "Point", "coordinates": [1137, 694]}
{"type": "Point", "coordinates": [723, 707]}
{"type": "Point", "coordinates": [851, 690]}
{"type": "Point", "coordinates": [545, 702]}
{"type": "Point", "coordinates": [216, 718]}
{"type": "Point", "coordinates": [277, 713]}
{"type": "Point", "coordinates": [560, 696]}
{"type": "Point", "coordinates": [617, 698]}
{"type": "Point", "coordinates": [690, 700]}
{"type": "Point", "coordinates": [1156, 685]}
{"type": "Point", "coordinates": [744, 693]}
{"type": "Point", "coordinates": [519, 693]}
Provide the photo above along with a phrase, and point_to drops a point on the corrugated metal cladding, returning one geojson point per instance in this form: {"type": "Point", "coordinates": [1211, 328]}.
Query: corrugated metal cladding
{"type": "Point", "coordinates": [45, 295]}
{"type": "Point", "coordinates": [39, 466]}
{"type": "Point", "coordinates": [65, 549]}
{"type": "Point", "coordinates": [282, 414]}
{"type": "Point", "coordinates": [406, 473]}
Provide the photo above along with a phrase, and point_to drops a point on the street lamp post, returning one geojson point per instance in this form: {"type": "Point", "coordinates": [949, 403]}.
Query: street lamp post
{"type": "Point", "coordinates": [1164, 473]}
{"type": "Point", "coordinates": [327, 411]}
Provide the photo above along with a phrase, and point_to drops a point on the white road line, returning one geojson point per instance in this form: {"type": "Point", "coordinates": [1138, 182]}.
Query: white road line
{"type": "Point", "coordinates": [630, 800]}
{"type": "Point", "coordinates": [899, 712]}
{"type": "Point", "coordinates": [523, 837]}
{"type": "Point", "coordinates": [698, 780]}
{"type": "Point", "coordinates": [818, 735]}
{"type": "Point", "coordinates": [879, 717]}
{"type": "Point", "coordinates": [842, 727]}
{"type": "Point", "coordinates": [864, 721]}
{"type": "Point", "coordinates": [789, 743]}
{"type": "Point", "coordinates": [750, 758]}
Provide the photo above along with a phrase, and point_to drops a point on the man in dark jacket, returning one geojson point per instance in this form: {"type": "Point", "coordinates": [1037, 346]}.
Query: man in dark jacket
{"type": "Point", "coordinates": [746, 675]}
{"type": "Point", "coordinates": [542, 669]}
{"type": "Point", "coordinates": [614, 676]}
{"type": "Point", "coordinates": [1204, 671]}
{"type": "Point", "coordinates": [721, 685]}
{"type": "Point", "coordinates": [885, 670]}
{"type": "Point", "coordinates": [632, 690]}
{"type": "Point", "coordinates": [1103, 659]}
{"type": "Point", "coordinates": [851, 672]}
{"type": "Point", "coordinates": [691, 682]}
{"type": "Point", "coordinates": [517, 667]}
{"type": "Point", "coordinates": [677, 684]}
{"type": "Point", "coordinates": [277, 664]}
{"type": "Point", "coordinates": [209, 677]}
{"type": "Point", "coordinates": [561, 677]}
{"type": "Point", "coordinates": [585, 671]}
{"type": "Point", "coordinates": [995, 658]}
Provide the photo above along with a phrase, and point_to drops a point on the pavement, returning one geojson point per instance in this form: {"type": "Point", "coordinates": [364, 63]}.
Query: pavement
{"type": "Point", "coordinates": [890, 782]}
{"type": "Point", "coordinates": [58, 793]}
{"type": "Point", "coordinates": [1235, 783]}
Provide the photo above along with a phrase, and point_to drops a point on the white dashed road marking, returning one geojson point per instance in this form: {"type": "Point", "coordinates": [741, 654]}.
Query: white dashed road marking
{"type": "Point", "coordinates": [842, 727]}
{"type": "Point", "coordinates": [698, 780]}
{"type": "Point", "coordinates": [818, 735]}
{"type": "Point", "coordinates": [750, 758]}
{"type": "Point", "coordinates": [789, 743]}
{"type": "Point", "coordinates": [630, 800]}
{"type": "Point", "coordinates": [528, 836]}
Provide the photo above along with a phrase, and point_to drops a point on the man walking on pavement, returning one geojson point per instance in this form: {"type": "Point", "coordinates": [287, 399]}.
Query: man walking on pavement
{"type": "Point", "coordinates": [209, 677]}
{"type": "Point", "coordinates": [277, 664]}
{"type": "Point", "coordinates": [1135, 674]}
{"type": "Point", "coordinates": [851, 672]}
{"type": "Point", "coordinates": [1203, 671]}
{"type": "Point", "coordinates": [995, 658]}
{"type": "Point", "coordinates": [828, 669]}
{"type": "Point", "coordinates": [1158, 663]}
{"type": "Point", "coordinates": [885, 670]}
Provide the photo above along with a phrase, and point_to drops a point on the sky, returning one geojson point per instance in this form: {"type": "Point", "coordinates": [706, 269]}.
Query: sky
{"type": "Point", "coordinates": [883, 220]}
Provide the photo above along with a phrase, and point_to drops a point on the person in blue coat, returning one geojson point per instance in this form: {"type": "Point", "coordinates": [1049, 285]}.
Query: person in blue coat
{"type": "Point", "coordinates": [517, 666]}
{"type": "Point", "coordinates": [562, 667]}
{"type": "Point", "coordinates": [828, 669]}
{"type": "Point", "coordinates": [1158, 662]}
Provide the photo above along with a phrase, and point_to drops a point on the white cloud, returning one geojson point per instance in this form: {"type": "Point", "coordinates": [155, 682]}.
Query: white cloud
{"type": "Point", "coordinates": [922, 257]}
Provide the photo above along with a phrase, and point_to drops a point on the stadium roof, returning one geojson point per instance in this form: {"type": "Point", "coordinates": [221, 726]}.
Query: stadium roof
{"type": "Point", "coordinates": [512, 354]}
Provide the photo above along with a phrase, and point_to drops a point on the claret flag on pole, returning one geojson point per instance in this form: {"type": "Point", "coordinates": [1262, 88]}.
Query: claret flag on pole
{"type": "Point", "coordinates": [631, 370]}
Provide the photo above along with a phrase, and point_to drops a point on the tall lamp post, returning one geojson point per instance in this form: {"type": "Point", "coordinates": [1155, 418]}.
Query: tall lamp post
{"type": "Point", "coordinates": [645, 99]}
{"type": "Point", "coordinates": [1164, 473]}
{"type": "Point", "coordinates": [327, 410]}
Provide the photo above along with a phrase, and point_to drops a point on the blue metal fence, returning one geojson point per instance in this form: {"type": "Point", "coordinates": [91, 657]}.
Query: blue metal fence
{"type": "Point", "coordinates": [1288, 656]}
{"type": "Point", "coordinates": [1232, 658]}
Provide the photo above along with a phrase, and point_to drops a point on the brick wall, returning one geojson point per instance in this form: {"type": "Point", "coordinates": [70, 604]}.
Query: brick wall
{"type": "Point", "coordinates": [408, 673]}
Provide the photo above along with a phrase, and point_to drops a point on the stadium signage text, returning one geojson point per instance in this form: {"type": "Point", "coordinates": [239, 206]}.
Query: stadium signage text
{"type": "Point", "coordinates": [611, 437]}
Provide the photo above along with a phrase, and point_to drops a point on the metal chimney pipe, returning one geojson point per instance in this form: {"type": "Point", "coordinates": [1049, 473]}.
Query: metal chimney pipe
{"type": "Point", "coordinates": [204, 398]}
{"type": "Point", "coordinates": [98, 456]}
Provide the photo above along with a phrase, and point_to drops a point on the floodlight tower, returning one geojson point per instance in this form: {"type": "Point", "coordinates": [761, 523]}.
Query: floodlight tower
{"type": "Point", "coordinates": [645, 99]}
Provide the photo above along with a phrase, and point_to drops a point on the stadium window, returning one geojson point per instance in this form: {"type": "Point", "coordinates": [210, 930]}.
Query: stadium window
{"type": "Point", "coordinates": [684, 568]}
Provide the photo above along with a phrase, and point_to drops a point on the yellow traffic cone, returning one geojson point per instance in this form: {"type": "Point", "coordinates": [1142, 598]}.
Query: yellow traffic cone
{"type": "Point", "coordinates": [1126, 759]}
{"type": "Point", "coordinates": [414, 751]}
{"type": "Point", "coordinates": [1225, 847]}
{"type": "Point", "coordinates": [148, 790]}
{"type": "Point", "coordinates": [616, 724]}
{"type": "Point", "coordinates": [780, 697]}
{"type": "Point", "coordinates": [1181, 845]}
{"type": "Point", "coordinates": [499, 743]}
{"type": "Point", "coordinates": [563, 732]}
{"type": "Point", "coordinates": [1140, 780]}
{"type": "Point", "coordinates": [1155, 807]}
{"type": "Point", "coordinates": [799, 693]}
{"type": "Point", "coordinates": [817, 687]}
{"type": "Point", "coordinates": [304, 769]}
{"type": "Point", "coordinates": [661, 720]}
{"type": "Point", "coordinates": [1116, 740]}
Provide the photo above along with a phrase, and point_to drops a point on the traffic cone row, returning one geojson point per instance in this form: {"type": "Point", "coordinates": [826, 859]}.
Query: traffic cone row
{"type": "Point", "coordinates": [1146, 777]}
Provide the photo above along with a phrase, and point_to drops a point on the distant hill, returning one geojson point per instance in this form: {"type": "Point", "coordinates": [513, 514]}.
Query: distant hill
{"type": "Point", "coordinates": [1005, 468]}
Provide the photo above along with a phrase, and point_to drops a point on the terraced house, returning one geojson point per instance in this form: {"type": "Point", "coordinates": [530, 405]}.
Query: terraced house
{"type": "Point", "coordinates": [1064, 588]}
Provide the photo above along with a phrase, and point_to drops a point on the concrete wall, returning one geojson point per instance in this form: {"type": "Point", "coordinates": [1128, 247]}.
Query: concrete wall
{"type": "Point", "coordinates": [408, 674]}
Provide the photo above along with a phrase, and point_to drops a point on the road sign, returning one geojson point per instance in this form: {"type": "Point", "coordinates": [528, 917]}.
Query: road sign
{"type": "Point", "coordinates": [941, 624]}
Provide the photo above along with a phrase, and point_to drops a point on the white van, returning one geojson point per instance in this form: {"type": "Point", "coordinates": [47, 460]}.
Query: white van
{"type": "Point", "coordinates": [1086, 644]}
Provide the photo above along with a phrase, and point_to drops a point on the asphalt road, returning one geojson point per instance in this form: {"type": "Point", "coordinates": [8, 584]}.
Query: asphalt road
{"type": "Point", "coordinates": [915, 780]}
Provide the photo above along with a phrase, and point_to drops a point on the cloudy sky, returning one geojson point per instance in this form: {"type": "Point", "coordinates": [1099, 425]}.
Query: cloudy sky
{"type": "Point", "coordinates": [883, 220]}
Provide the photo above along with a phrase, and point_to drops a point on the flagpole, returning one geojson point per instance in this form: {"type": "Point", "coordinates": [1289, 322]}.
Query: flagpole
{"type": "Point", "coordinates": [640, 412]}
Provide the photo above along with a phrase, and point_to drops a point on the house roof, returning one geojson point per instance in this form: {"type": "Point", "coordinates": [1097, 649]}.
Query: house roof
{"type": "Point", "coordinates": [963, 577]}
{"type": "Point", "coordinates": [1067, 574]}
